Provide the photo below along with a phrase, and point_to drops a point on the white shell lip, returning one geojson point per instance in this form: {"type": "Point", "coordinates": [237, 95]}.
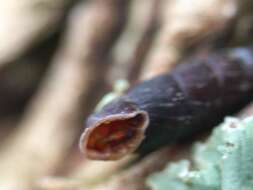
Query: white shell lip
{"type": "Point", "coordinates": [128, 148]}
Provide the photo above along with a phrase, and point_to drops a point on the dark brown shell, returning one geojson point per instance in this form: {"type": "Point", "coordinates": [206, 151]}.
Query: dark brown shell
{"type": "Point", "coordinates": [192, 98]}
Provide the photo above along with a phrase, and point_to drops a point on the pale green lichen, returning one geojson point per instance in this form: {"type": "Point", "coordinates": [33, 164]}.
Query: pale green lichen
{"type": "Point", "coordinates": [224, 162]}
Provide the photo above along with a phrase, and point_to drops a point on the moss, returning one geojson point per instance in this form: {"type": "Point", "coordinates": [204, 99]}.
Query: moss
{"type": "Point", "coordinates": [223, 162]}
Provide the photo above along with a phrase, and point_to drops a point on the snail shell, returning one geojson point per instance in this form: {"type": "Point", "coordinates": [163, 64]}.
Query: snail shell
{"type": "Point", "coordinates": [169, 108]}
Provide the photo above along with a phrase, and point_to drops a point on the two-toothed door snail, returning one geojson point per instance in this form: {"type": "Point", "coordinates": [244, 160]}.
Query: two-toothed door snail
{"type": "Point", "coordinates": [168, 108]}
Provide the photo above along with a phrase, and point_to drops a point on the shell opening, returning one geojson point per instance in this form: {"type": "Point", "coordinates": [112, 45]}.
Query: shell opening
{"type": "Point", "coordinates": [115, 136]}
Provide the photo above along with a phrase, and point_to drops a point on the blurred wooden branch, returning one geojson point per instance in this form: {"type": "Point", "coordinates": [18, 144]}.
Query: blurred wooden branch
{"type": "Point", "coordinates": [248, 111]}
{"type": "Point", "coordinates": [244, 23]}
{"type": "Point", "coordinates": [185, 22]}
{"type": "Point", "coordinates": [131, 48]}
{"type": "Point", "coordinates": [87, 175]}
{"type": "Point", "coordinates": [51, 122]}
{"type": "Point", "coordinates": [134, 178]}
{"type": "Point", "coordinates": [26, 22]}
